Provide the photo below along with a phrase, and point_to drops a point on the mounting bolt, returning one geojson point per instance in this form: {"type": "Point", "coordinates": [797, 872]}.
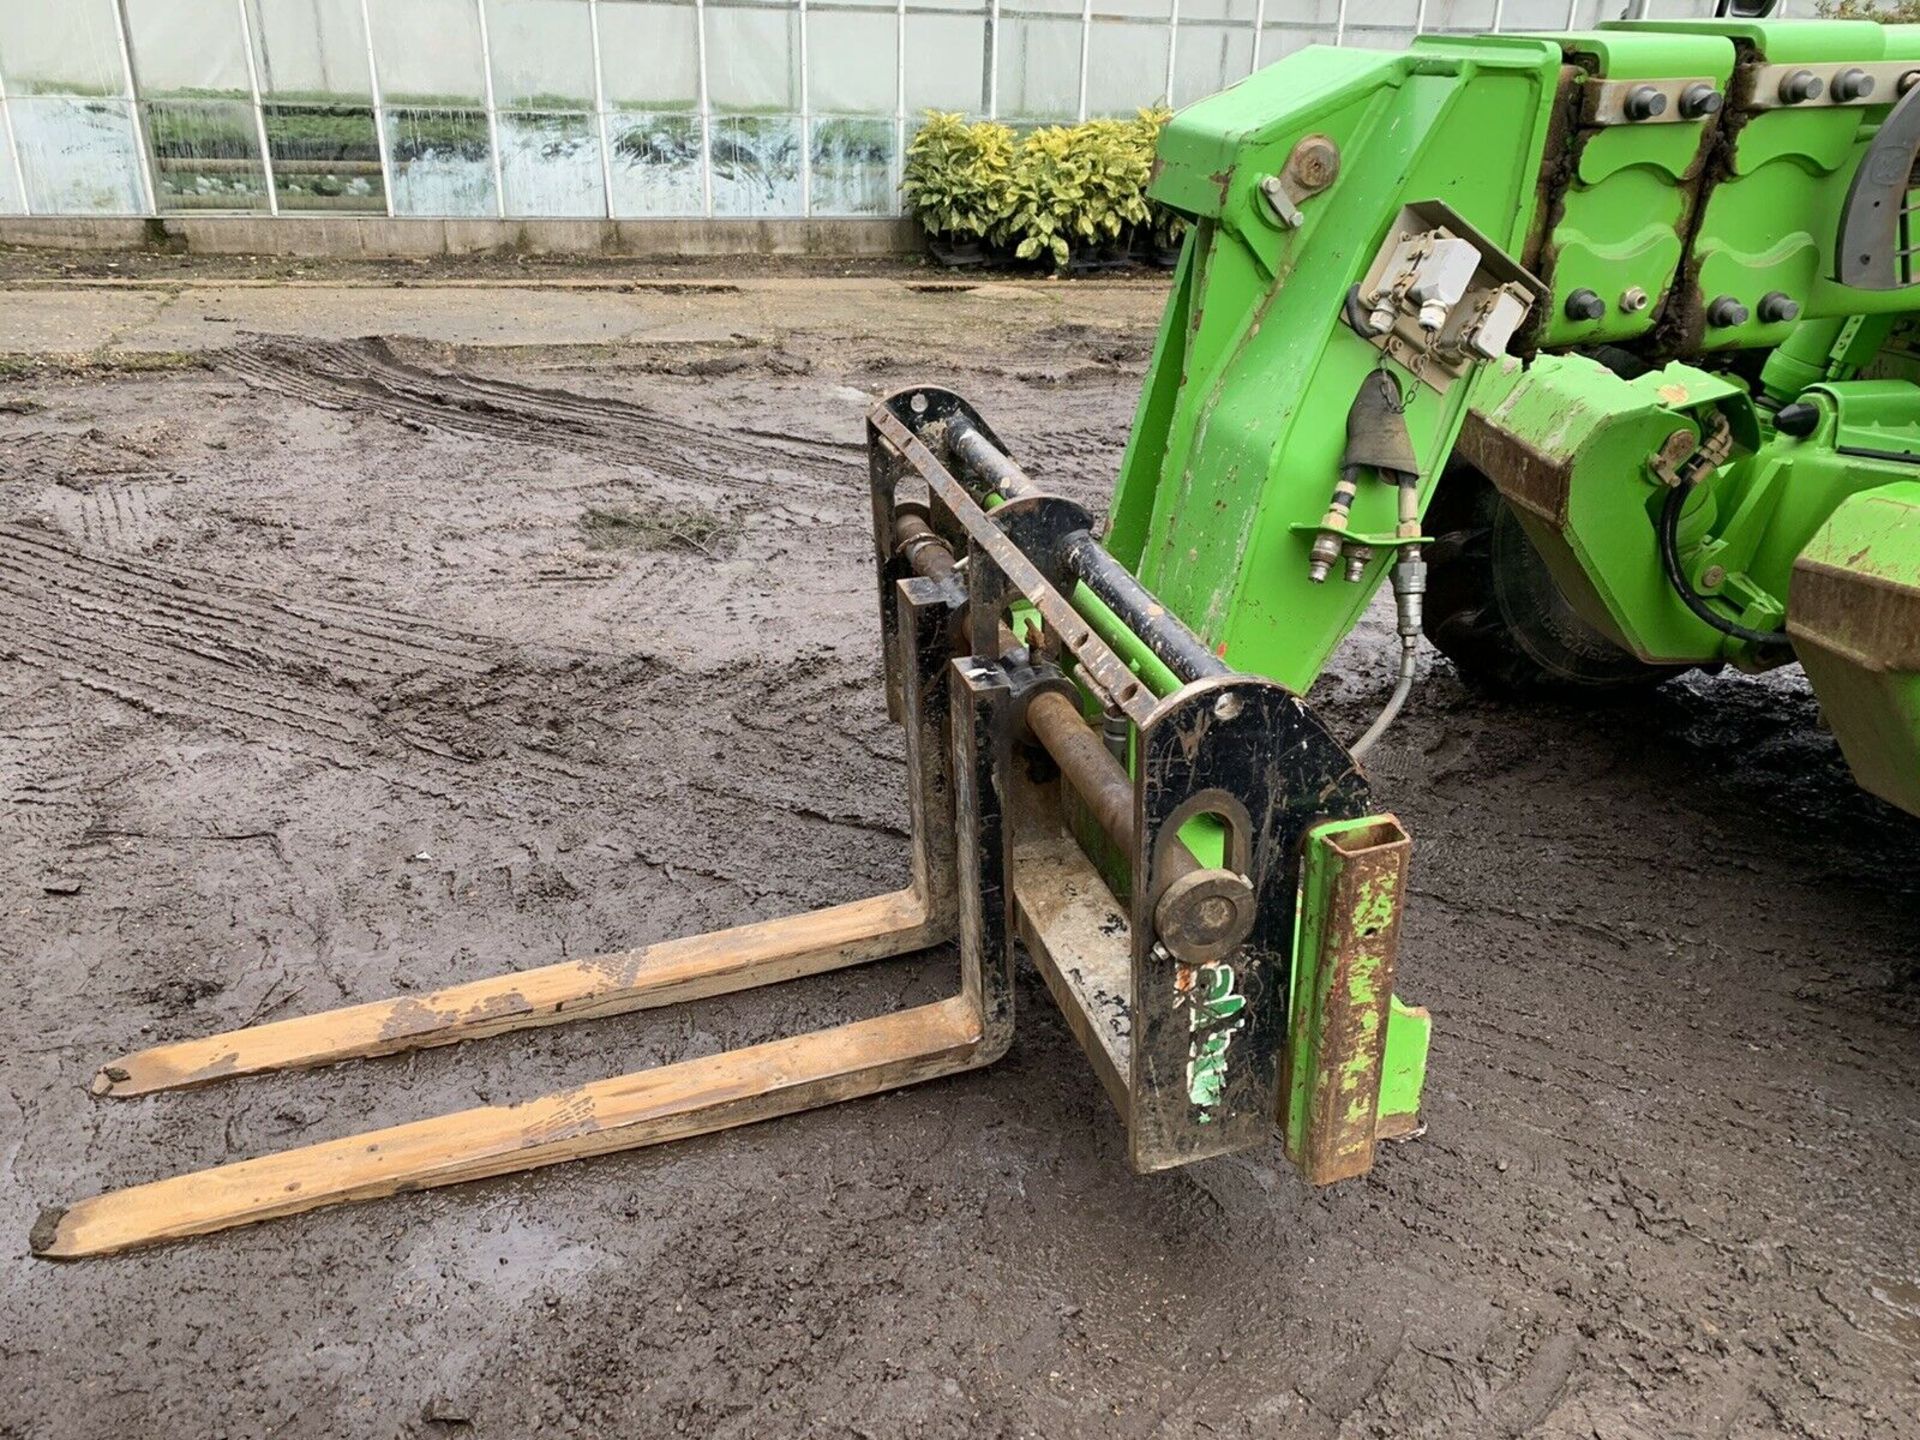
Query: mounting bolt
{"type": "Point", "coordinates": [1713, 577]}
{"type": "Point", "coordinates": [1644, 102]}
{"type": "Point", "coordinates": [1777, 306]}
{"type": "Point", "coordinates": [1312, 166]}
{"type": "Point", "coordinates": [1907, 82]}
{"type": "Point", "coordinates": [1584, 305]}
{"type": "Point", "coordinates": [1700, 100]}
{"type": "Point", "coordinates": [1799, 86]}
{"type": "Point", "coordinates": [1274, 190]}
{"type": "Point", "coordinates": [1633, 300]}
{"type": "Point", "coordinates": [1726, 311]}
{"type": "Point", "coordinates": [1851, 85]}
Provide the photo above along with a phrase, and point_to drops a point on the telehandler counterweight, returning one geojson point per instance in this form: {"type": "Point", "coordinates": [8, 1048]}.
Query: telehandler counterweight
{"type": "Point", "coordinates": [1655, 281]}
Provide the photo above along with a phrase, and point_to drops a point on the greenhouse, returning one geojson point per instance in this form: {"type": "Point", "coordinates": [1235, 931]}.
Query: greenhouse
{"type": "Point", "coordinates": [606, 108]}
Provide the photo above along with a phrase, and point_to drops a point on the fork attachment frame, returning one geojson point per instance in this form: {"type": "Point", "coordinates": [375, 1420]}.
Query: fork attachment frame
{"type": "Point", "coordinates": [1003, 624]}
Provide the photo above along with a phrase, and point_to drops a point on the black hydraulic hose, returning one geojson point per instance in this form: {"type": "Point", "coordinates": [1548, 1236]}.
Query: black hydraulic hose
{"type": "Point", "coordinates": [1669, 529]}
{"type": "Point", "coordinates": [1163, 632]}
{"type": "Point", "coordinates": [987, 461]}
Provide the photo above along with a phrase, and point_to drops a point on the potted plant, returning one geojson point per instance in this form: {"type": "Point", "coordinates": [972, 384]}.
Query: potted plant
{"type": "Point", "coordinates": [956, 180]}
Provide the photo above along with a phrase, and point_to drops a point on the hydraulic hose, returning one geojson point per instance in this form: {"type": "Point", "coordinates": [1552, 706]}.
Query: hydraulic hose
{"type": "Point", "coordinates": [1669, 530]}
{"type": "Point", "coordinates": [1390, 712]}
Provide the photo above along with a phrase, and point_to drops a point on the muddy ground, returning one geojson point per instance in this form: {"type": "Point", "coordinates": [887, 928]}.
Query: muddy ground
{"type": "Point", "coordinates": [334, 668]}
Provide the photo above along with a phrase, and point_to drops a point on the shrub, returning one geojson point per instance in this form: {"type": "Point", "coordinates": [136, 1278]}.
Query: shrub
{"type": "Point", "coordinates": [956, 176]}
{"type": "Point", "coordinates": [1055, 191]}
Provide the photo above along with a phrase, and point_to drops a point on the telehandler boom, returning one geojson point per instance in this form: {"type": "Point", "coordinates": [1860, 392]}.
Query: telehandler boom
{"type": "Point", "coordinates": [1655, 280]}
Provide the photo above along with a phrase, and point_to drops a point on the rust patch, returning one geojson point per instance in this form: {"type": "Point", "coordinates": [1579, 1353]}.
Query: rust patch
{"type": "Point", "coordinates": [1530, 478]}
{"type": "Point", "coordinates": [1868, 619]}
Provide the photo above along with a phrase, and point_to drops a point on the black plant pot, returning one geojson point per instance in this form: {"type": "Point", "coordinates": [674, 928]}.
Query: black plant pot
{"type": "Point", "coordinates": [957, 254]}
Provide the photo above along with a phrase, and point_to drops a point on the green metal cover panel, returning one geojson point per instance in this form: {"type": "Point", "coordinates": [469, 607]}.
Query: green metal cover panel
{"type": "Point", "coordinates": [1769, 221]}
{"type": "Point", "coordinates": [1240, 427]}
{"type": "Point", "coordinates": [1621, 219]}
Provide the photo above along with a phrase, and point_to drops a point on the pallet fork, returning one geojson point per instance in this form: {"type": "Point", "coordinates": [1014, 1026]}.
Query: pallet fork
{"type": "Point", "coordinates": [1217, 999]}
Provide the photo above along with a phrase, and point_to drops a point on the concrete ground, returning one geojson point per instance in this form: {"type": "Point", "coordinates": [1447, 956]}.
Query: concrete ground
{"type": "Point", "coordinates": [362, 632]}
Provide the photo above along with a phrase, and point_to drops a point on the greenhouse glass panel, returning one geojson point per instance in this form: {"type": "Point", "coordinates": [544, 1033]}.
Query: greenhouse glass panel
{"type": "Point", "coordinates": [1533, 15]}
{"type": "Point", "coordinates": [1279, 41]}
{"type": "Point", "coordinates": [1460, 17]}
{"type": "Point", "coordinates": [11, 202]}
{"type": "Point", "coordinates": [1209, 58]}
{"type": "Point", "coordinates": [753, 60]}
{"type": "Point", "coordinates": [1126, 67]}
{"type": "Point", "coordinates": [946, 62]}
{"type": "Point", "coordinates": [1384, 25]}
{"type": "Point", "coordinates": [656, 164]}
{"type": "Point", "coordinates": [428, 53]}
{"type": "Point", "coordinates": [542, 55]}
{"type": "Point", "coordinates": [311, 50]}
{"type": "Point", "coordinates": [206, 155]}
{"type": "Point", "coordinates": [441, 161]}
{"type": "Point", "coordinates": [188, 49]}
{"type": "Point", "coordinates": [650, 55]}
{"type": "Point", "coordinates": [1241, 10]}
{"type": "Point", "coordinates": [71, 47]}
{"type": "Point", "coordinates": [853, 166]}
{"type": "Point", "coordinates": [853, 62]}
{"type": "Point", "coordinates": [1039, 69]}
{"type": "Point", "coordinates": [550, 164]}
{"type": "Point", "coordinates": [325, 157]}
{"type": "Point", "coordinates": [79, 156]}
{"type": "Point", "coordinates": [756, 164]}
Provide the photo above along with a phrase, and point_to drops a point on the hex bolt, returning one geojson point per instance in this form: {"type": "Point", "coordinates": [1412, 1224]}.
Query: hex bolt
{"type": "Point", "coordinates": [1726, 311]}
{"type": "Point", "coordinates": [1907, 81]}
{"type": "Point", "coordinates": [1700, 100]}
{"type": "Point", "coordinates": [1777, 306]}
{"type": "Point", "coordinates": [1713, 577]}
{"type": "Point", "coordinates": [1851, 85]}
{"type": "Point", "coordinates": [1799, 86]}
{"type": "Point", "coordinates": [1644, 102]}
{"type": "Point", "coordinates": [1584, 304]}
{"type": "Point", "coordinates": [1633, 300]}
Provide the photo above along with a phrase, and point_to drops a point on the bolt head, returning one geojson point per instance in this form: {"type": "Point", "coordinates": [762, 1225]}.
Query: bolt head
{"type": "Point", "coordinates": [1799, 86]}
{"type": "Point", "coordinates": [1700, 100]}
{"type": "Point", "coordinates": [1852, 84]}
{"type": "Point", "coordinates": [1726, 312]}
{"type": "Point", "coordinates": [1644, 102]}
{"type": "Point", "coordinates": [1633, 300]}
{"type": "Point", "coordinates": [1713, 577]}
{"type": "Point", "coordinates": [1584, 305]}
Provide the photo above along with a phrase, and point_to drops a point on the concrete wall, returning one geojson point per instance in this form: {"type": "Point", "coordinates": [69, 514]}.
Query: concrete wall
{"type": "Point", "coordinates": [373, 238]}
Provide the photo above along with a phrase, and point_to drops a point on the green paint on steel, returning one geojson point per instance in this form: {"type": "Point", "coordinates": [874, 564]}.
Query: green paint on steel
{"type": "Point", "coordinates": [1856, 623]}
{"type": "Point", "coordinates": [1337, 1070]}
{"type": "Point", "coordinates": [1240, 425]}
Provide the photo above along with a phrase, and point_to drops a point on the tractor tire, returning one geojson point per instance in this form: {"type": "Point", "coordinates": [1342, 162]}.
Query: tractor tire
{"type": "Point", "coordinates": [1494, 610]}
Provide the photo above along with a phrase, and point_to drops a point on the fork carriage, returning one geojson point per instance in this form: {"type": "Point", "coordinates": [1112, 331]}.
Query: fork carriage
{"type": "Point", "coordinates": [1197, 874]}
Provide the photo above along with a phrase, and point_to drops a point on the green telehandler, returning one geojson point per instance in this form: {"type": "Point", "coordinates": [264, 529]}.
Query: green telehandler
{"type": "Point", "coordinates": [1597, 349]}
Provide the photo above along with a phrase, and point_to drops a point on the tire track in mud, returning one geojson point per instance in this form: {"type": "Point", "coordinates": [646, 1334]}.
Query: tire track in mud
{"type": "Point", "coordinates": [518, 734]}
{"type": "Point", "coordinates": [368, 377]}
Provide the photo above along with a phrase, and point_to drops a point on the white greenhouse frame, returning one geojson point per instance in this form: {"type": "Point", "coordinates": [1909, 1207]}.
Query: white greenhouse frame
{"type": "Point", "coordinates": [1264, 20]}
